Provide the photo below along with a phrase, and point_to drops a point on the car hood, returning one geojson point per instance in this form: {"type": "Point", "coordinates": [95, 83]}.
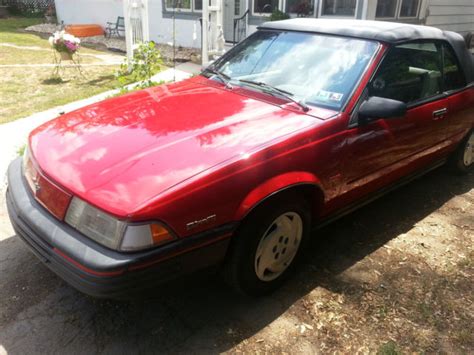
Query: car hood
{"type": "Point", "coordinates": [119, 153]}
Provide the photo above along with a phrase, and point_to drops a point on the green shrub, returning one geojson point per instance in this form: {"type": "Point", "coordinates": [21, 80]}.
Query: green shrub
{"type": "Point", "coordinates": [278, 15]}
{"type": "Point", "coordinates": [145, 63]}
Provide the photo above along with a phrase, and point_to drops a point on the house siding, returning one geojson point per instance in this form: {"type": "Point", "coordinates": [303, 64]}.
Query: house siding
{"type": "Point", "coordinates": [88, 11]}
{"type": "Point", "coordinates": [187, 26]}
{"type": "Point", "coordinates": [452, 15]}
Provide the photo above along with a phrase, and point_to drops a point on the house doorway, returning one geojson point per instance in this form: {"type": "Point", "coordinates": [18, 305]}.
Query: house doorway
{"type": "Point", "coordinates": [232, 10]}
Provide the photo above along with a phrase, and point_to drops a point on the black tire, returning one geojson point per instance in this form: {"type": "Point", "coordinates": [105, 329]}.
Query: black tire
{"type": "Point", "coordinates": [240, 267]}
{"type": "Point", "coordinates": [457, 161]}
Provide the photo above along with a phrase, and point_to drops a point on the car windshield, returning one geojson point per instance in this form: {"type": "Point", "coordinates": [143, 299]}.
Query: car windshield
{"type": "Point", "coordinates": [314, 69]}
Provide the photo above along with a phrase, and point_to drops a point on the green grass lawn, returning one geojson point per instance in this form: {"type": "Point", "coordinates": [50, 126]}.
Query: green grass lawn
{"type": "Point", "coordinates": [26, 90]}
{"type": "Point", "coordinates": [12, 55]}
{"type": "Point", "coordinates": [10, 32]}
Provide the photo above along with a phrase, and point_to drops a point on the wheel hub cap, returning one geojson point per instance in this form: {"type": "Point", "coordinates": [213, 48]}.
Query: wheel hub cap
{"type": "Point", "coordinates": [278, 246]}
{"type": "Point", "coordinates": [469, 151]}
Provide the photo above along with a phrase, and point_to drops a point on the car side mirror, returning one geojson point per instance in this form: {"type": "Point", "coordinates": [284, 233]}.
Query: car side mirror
{"type": "Point", "coordinates": [379, 107]}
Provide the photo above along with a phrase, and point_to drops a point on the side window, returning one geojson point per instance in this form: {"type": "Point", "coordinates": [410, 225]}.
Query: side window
{"type": "Point", "coordinates": [409, 73]}
{"type": "Point", "coordinates": [453, 75]}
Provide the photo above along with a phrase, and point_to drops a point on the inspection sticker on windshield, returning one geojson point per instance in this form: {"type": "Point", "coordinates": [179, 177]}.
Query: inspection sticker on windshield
{"type": "Point", "coordinates": [323, 94]}
{"type": "Point", "coordinates": [335, 96]}
{"type": "Point", "coordinates": [328, 95]}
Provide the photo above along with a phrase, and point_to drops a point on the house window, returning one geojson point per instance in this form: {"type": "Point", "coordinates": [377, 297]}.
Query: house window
{"type": "Point", "coordinates": [409, 8]}
{"type": "Point", "coordinates": [301, 8]}
{"type": "Point", "coordinates": [198, 5]}
{"type": "Point", "coordinates": [184, 5]}
{"type": "Point", "coordinates": [265, 7]}
{"type": "Point", "coordinates": [339, 7]}
{"type": "Point", "coordinates": [386, 8]}
{"type": "Point", "coordinates": [236, 7]}
{"type": "Point", "coordinates": [396, 9]}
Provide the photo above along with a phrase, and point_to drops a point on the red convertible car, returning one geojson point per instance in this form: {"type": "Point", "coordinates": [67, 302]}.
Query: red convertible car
{"type": "Point", "coordinates": [300, 123]}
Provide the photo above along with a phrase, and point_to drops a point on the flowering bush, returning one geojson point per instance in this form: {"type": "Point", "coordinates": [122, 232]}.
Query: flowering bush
{"type": "Point", "coordinates": [64, 42]}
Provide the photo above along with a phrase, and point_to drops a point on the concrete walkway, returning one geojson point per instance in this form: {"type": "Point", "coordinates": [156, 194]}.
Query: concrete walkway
{"type": "Point", "coordinates": [13, 135]}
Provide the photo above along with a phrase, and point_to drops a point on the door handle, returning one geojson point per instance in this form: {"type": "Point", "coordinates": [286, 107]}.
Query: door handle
{"type": "Point", "coordinates": [437, 114]}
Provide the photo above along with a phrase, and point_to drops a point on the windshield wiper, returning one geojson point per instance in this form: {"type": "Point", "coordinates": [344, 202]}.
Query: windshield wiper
{"type": "Point", "coordinates": [223, 77]}
{"type": "Point", "coordinates": [272, 89]}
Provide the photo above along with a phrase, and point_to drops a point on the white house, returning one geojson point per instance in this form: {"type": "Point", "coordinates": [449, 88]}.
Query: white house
{"type": "Point", "coordinates": [455, 15]}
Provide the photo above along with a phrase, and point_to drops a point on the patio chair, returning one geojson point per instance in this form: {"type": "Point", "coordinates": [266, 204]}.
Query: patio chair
{"type": "Point", "coordinates": [114, 28]}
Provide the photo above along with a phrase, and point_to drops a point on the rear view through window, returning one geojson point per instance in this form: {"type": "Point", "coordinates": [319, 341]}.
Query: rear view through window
{"type": "Point", "coordinates": [453, 75]}
{"type": "Point", "coordinates": [417, 71]}
{"type": "Point", "coordinates": [409, 73]}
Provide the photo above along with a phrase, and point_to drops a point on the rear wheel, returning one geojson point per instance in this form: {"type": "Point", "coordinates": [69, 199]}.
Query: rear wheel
{"type": "Point", "coordinates": [267, 245]}
{"type": "Point", "coordinates": [462, 160]}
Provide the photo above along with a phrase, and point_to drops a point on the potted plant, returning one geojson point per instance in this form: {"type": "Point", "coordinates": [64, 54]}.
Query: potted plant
{"type": "Point", "coordinates": [65, 44]}
{"type": "Point", "coordinates": [303, 8]}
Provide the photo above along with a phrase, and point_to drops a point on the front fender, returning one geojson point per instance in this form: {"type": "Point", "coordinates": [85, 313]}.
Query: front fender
{"type": "Point", "coordinates": [273, 185]}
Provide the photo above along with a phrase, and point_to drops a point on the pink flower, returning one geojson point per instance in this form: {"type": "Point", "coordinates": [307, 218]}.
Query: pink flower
{"type": "Point", "coordinates": [62, 41]}
{"type": "Point", "coordinates": [71, 46]}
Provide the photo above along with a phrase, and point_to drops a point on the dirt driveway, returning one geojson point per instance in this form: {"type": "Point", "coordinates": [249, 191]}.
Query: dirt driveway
{"type": "Point", "coordinates": [397, 275]}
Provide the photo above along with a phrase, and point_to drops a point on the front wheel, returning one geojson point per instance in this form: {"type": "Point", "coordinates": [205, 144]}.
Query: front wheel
{"type": "Point", "coordinates": [267, 245]}
{"type": "Point", "coordinates": [462, 159]}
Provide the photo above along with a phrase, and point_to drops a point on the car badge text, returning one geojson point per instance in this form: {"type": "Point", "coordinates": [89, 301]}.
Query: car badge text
{"type": "Point", "coordinates": [200, 222]}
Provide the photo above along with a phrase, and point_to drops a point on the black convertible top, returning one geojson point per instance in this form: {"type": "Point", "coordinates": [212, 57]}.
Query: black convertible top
{"type": "Point", "coordinates": [383, 31]}
{"type": "Point", "coordinates": [390, 32]}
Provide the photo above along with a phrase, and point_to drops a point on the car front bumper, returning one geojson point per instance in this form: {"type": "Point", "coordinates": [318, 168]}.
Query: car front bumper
{"type": "Point", "coordinates": [94, 269]}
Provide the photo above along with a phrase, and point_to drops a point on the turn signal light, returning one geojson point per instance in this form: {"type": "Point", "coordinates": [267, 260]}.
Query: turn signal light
{"type": "Point", "coordinates": [160, 234]}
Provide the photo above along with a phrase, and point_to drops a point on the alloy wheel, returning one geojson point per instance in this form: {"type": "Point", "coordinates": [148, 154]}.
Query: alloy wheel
{"type": "Point", "coordinates": [469, 151]}
{"type": "Point", "coordinates": [278, 246]}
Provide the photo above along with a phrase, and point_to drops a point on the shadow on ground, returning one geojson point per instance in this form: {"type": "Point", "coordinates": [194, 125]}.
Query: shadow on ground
{"type": "Point", "coordinates": [101, 79]}
{"type": "Point", "coordinates": [39, 313]}
{"type": "Point", "coordinates": [54, 81]}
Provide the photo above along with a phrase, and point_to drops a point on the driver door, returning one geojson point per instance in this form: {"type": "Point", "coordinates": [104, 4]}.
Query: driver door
{"type": "Point", "coordinates": [384, 150]}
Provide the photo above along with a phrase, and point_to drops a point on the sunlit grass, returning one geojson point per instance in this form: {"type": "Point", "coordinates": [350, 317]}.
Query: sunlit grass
{"type": "Point", "coordinates": [11, 55]}
{"type": "Point", "coordinates": [26, 90]}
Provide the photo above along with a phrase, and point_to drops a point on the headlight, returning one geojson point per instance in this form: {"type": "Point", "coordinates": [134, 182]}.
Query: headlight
{"type": "Point", "coordinates": [29, 171]}
{"type": "Point", "coordinates": [113, 233]}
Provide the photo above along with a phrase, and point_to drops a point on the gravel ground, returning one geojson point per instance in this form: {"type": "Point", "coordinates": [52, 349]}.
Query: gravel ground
{"type": "Point", "coordinates": [395, 276]}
